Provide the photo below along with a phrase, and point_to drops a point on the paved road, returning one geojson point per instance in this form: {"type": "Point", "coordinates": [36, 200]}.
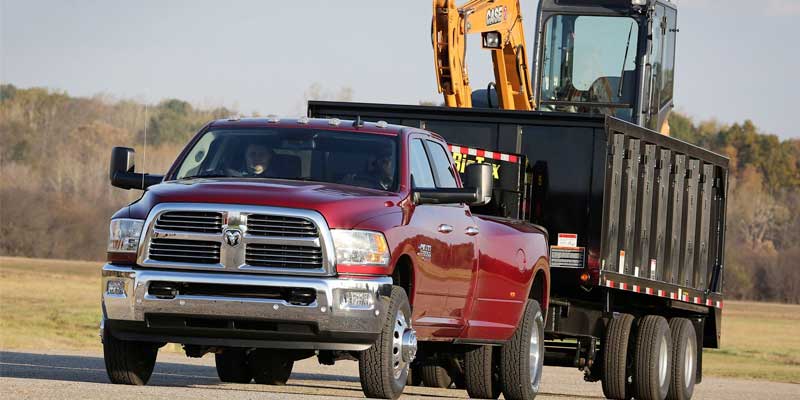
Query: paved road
{"type": "Point", "coordinates": [82, 376]}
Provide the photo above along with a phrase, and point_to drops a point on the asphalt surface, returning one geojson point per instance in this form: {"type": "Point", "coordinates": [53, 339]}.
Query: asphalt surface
{"type": "Point", "coordinates": [62, 375]}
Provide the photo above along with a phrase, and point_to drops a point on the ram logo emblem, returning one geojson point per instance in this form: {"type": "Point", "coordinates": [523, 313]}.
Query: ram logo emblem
{"type": "Point", "coordinates": [233, 237]}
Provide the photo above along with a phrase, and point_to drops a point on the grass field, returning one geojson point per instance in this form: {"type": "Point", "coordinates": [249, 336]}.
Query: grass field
{"type": "Point", "coordinates": [55, 305]}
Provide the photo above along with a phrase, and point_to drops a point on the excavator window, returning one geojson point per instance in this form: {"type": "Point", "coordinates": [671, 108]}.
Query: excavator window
{"type": "Point", "coordinates": [589, 65]}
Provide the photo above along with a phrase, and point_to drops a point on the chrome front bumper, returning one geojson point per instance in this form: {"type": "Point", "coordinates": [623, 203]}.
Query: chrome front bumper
{"type": "Point", "coordinates": [336, 325]}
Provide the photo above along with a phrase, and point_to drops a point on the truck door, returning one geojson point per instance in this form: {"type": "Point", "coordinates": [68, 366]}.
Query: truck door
{"type": "Point", "coordinates": [461, 237]}
{"type": "Point", "coordinates": [441, 285]}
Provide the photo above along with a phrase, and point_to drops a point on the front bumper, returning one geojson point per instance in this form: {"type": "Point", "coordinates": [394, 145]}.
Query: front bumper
{"type": "Point", "coordinates": [326, 323]}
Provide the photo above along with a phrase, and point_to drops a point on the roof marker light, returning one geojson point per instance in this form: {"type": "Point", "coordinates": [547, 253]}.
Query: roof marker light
{"type": "Point", "coordinates": [303, 120]}
{"type": "Point", "coordinates": [272, 118]}
{"type": "Point", "coordinates": [235, 117]}
{"type": "Point", "coordinates": [382, 124]}
{"type": "Point", "coordinates": [334, 121]}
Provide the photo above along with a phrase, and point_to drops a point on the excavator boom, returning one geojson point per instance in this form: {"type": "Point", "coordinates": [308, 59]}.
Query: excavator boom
{"type": "Point", "coordinates": [500, 24]}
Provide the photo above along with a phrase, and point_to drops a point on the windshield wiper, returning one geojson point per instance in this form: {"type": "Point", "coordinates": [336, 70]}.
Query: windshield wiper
{"type": "Point", "coordinates": [624, 59]}
{"type": "Point", "coordinates": [206, 176]}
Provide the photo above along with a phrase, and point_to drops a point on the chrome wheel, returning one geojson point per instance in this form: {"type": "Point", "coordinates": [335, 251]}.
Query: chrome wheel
{"type": "Point", "coordinates": [689, 363]}
{"type": "Point", "coordinates": [404, 344]}
{"type": "Point", "coordinates": [534, 354]}
{"type": "Point", "coordinates": [663, 361]}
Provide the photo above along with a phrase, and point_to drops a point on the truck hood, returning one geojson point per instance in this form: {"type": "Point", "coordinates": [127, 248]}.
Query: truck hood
{"type": "Point", "coordinates": [342, 206]}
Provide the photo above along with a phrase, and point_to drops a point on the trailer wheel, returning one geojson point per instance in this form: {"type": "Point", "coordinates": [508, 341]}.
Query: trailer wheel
{"type": "Point", "coordinates": [232, 366]}
{"type": "Point", "coordinates": [684, 359]}
{"type": "Point", "coordinates": [128, 362]}
{"type": "Point", "coordinates": [435, 376]}
{"type": "Point", "coordinates": [522, 358]}
{"type": "Point", "coordinates": [383, 368]}
{"type": "Point", "coordinates": [482, 373]}
{"type": "Point", "coordinates": [652, 364]}
{"type": "Point", "coordinates": [614, 374]}
{"type": "Point", "coordinates": [270, 366]}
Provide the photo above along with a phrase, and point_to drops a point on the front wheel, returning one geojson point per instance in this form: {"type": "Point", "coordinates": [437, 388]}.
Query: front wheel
{"type": "Point", "coordinates": [522, 358]}
{"type": "Point", "coordinates": [383, 368]}
{"type": "Point", "coordinates": [128, 362]}
{"type": "Point", "coordinates": [270, 367]}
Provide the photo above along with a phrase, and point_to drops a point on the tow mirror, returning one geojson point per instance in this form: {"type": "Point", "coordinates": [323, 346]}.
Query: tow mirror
{"type": "Point", "coordinates": [121, 171]}
{"type": "Point", "coordinates": [478, 177]}
{"type": "Point", "coordinates": [444, 196]}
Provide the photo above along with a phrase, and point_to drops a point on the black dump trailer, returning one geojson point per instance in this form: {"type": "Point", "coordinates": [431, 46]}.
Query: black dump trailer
{"type": "Point", "coordinates": [636, 223]}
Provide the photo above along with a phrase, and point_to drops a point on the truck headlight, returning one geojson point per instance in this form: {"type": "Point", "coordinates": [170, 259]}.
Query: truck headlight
{"type": "Point", "coordinates": [360, 247]}
{"type": "Point", "coordinates": [124, 235]}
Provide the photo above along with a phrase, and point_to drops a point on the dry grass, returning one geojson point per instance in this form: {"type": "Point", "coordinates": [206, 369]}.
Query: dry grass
{"type": "Point", "coordinates": [55, 304]}
{"type": "Point", "coordinates": [759, 341]}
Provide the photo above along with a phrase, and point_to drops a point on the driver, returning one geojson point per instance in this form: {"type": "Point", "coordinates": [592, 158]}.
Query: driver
{"type": "Point", "coordinates": [257, 159]}
{"type": "Point", "coordinates": [379, 173]}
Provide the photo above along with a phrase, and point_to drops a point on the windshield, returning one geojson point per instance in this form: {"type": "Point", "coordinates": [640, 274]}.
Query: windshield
{"type": "Point", "coordinates": [589, 59]}
{"type": "Point", "coordinates": [357, 159]}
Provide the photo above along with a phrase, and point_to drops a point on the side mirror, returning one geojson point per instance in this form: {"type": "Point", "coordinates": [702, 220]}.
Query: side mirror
{"type": "Point", "coordinates": [121, 171]}
{"type": "Point", "coordinates": [444, 196]}
{"type": "Point", "coordinates": [122, 160]}
{"type": "Point", "coordinates": [479, 179]}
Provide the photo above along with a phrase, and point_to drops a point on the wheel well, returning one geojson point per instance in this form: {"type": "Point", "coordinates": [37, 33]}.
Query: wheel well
{"type": "Point", "coordinates": [539, 290]}
{"type": "Point", "coordinates": [403, 276]}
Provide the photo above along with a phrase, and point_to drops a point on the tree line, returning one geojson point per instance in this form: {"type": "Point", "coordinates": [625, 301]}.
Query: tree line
{"type": "Point", "coordinates": [55, 199]}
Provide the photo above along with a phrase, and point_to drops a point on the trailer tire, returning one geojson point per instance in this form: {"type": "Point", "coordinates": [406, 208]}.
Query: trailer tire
{"type": "Point", "coordinates": [128, 362]}
{"type": "Point", "coordinates": [435, 376]}
{"type": "Point", "coordinates": [232, 366]}
{"type": "Point", "coordinates": [652, 359]}
{"type": "Point", "coordinates": [482, 373]}
{"type": "Point", "coordinates": [614, 374]}
{"type": "Point", "coordinates": [684, 359]}
{"type": "Point", "coordinates": [522, 358]}
{"type": "Point", "coordinates": [270, 366]}
{"type": "Point", "coordinates": [382, 374]}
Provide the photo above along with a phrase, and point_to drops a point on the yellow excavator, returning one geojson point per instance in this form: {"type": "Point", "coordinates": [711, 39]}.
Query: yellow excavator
{"type": "Point", "coordinates": [612, 57]}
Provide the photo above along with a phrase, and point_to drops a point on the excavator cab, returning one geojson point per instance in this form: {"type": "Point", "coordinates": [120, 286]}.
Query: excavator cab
{"type": "Point", "coordinates": [615, 57]}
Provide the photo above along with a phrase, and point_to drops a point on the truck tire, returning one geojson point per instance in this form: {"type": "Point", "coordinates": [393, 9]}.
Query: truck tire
{"type": "Point", "coordinates": [482, 373]}
{"type": "Point", "coordinates": [414, 377]}
{"type": "Point", "coordinates": [614, 374]}
{"type": "Point", "coordinates": [382, 368]}
{"type": "Point", "coordinates": [522, 358]}
{"type": "Point", "coordinates": [652, 359]}
{"type": "Point", "coordinates": [270, 367]}
{"type": "Point", "coordinates": [128, 362]}
{"type": "Point", "coordinates": [232, 366]}
{"type": "Point", "coordinates": [435, 376]}
{"type": "Point", "coordinates": [684, 359]}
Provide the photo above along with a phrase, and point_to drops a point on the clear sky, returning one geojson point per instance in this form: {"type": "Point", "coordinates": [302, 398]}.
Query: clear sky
{"type": "Point", "coordinates": [736, 59]}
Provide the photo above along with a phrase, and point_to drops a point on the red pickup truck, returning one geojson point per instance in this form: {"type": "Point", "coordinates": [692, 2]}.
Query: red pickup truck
{"type": "Point", "coordinates": [273, 240]}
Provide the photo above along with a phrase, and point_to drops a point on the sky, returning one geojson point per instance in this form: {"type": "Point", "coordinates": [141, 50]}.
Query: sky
{"type": "Point", "coordinates": [736, 59]}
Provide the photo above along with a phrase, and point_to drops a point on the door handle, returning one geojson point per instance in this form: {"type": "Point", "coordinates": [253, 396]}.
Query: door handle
{"type": "Point", "coordinates": [472, 230]}
{"type": "Point", "coordinates": [444, 228]}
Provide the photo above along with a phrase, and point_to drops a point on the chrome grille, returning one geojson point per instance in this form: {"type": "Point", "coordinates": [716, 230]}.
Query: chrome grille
{"type": "Point", "coordinates": [281, 226]}
{"type": "Point", "coordinates": [190, 221]}
{"type": "Point", "coordinates": [185, 251]}
{"type": "Point", "coordinates": [237, 238]}
{"type": "Point", "coordinates": [268, 255]}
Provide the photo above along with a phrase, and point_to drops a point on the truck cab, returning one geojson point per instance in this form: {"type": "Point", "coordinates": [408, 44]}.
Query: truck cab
{"type": "Point", "coordinates": [612, 57]}
{"type": "Point", "coordinates": [273, 240]}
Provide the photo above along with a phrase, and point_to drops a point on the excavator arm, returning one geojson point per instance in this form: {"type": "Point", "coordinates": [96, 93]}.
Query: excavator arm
{"type": "Point", "coordinates": [500, 24]}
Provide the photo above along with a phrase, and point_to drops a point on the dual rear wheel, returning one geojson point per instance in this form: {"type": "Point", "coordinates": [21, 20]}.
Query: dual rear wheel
{"type": "Point", "coordinates": [655, 362]}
